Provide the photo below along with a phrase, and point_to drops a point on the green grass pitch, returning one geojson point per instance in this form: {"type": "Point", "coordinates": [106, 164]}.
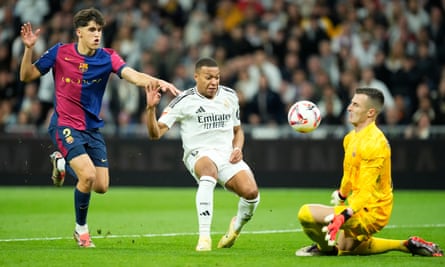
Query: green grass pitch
{"type": "Point", "coordinates": [158, 227]}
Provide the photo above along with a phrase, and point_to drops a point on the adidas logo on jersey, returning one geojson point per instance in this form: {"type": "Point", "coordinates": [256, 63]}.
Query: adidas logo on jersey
{"type": "Point", "coordinates": [205, 213]}
{"type": "Point", "coordinates": [200, 110]}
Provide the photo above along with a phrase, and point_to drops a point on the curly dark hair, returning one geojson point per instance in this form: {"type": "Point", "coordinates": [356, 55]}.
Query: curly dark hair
{"type": "Point", "coordinates": [84, 16]}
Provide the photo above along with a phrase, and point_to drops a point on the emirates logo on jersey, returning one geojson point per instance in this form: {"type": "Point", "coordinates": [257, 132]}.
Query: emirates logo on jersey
{"type": "Point", "coordinates": [83, 67]}
{"type": "Point", "coordinates": [213, 121]}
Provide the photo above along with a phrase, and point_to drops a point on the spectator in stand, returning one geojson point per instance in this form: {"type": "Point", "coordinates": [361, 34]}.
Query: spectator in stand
{"type": "Point", "coordinates": [293, 45]}
{"type": "Point", "coordinates": [381, 71]}
{"type": "Point", "coordinates": [329, 61]}
{"type": "Point", "coordinates": [365, 49]}
{"type": "Point", "coordinates": [405, 80]}
{"type": "Point", "coordinates": [7, 24]}
{"type": "Point", "coordinates": [266, 106]}
{"type": "Point", "coordinates": [181, 78]}
{"type": "Point", "coordinates": [124, 103]}
{"type": "Point", "coordinates": [427, 64]}
{"type": "Point", "coordinates": [400, 32]}
{"type": "Point", "coordinates": [349, 62]}
{"type": "Point", "coordinates": [436, 31]}
{"type": "Point", "coordinates": [291, 63]}
{"type": "Point", "coordinates": [237, 44]}
{"type": "Point", "coordinates": [262, 65]}
{"type": "Point", "coordinates": [439, 103]}
{"type": "Point", "coordinates": [402, 108]}
{"type": "Point", "coordinates": [330, 106]}
{"type": "Point", "coordinates": [251, 9]}
{"type": "Point", "coordinates": [371, 14]}
{"type": "Point", "coordinates": [127, 45]}
{"type": "Point", "coordinates": [307, 92]}
{"type": "Point", "coordinates": [146, 33]}
{"type": "Point", "coordinates": [420, 128]}
{"type": "Point", "coordinates": [380, 36]}
{"type": "Point", "coordinates": [321, 81]}
{"type": "Point", "coordinates": [294, 14]}
{"type": "Point", "coordinates": [31, 11]}
{"type": "Point", "coordinates": [276, 35]}
{"type": "Point", "coordinates": [7, 116]}
{"type": "Point", "coordinates": [395, 57]}
{"type": "Point", "coordinates": [423, 37]}
{"type": "Point", "coordinates": [391, 121]}
{"type": "Point", "coordinates": [312, 35]}
{"type": "Point", "coordinates": [416, 15]}
{"type": "Point", "coordinates": [164, 58]}
{"type": "Point", "coordinates": [344, 39]}
{"type": "Point", "coordinates": [394, 10]}
{"type": "Point", "coordinates": [313, 68]}
{"type": "Point", "coordinates": [230, 14]}
{"type": "Point", "coordinates": [423, 102]}
{"type": "Point", "coordinates": [290, 91]}
{"type": "Point", "coordinates": [7, 86]}
{"type": "Point", "coordinates": [245, 86]}
{"type": "Point", "coordinates": [252, 33]}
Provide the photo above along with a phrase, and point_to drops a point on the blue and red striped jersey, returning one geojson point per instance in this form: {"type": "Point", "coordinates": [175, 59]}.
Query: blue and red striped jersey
{"type": "Point", "coordinates": [80, 83]}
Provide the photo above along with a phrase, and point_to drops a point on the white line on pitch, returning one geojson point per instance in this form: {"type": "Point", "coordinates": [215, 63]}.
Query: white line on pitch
{"type": "Point", "coordinates": [186, 234]}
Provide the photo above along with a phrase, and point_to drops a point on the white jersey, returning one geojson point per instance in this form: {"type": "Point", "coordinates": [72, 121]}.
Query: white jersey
{"type": "Point", "coordinates": [204, 123]}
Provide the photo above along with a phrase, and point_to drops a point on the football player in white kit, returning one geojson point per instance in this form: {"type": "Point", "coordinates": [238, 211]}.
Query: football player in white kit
{"type": "Point", "coordinates": [212, 138]}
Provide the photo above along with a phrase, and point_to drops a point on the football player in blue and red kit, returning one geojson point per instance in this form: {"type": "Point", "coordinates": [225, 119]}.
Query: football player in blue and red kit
{"type": "Point", "coordinates": [81, 71]}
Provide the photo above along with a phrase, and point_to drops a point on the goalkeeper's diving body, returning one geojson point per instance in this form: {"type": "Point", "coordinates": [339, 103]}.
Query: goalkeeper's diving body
{"type": "Point", "coordinates": [212, 138]}
{"type": "Point", "coordinates": [363, 204]}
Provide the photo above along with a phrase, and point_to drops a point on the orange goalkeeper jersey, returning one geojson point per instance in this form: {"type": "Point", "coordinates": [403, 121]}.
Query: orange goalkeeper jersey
{"type": "Point", "coordinates": [367, 172]}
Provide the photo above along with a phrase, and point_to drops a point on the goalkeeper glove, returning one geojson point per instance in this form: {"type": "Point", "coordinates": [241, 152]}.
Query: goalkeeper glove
{"type": "Point", "coordinates": [337, 199]}
{"type": "Point", "coordinates": [335, 223]}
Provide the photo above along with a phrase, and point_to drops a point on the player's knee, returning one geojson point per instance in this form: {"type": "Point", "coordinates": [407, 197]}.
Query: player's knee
{"type": "Point", "coordinates": [250, 194]}
{"type": "Point", "coordinates": [89, 180]}
{"type": "Point", "coordinates": [101, 189]}
{"type": "Point", "coordinates": [101, 185]}
{"type": "Point", "coordinates": [85, 182]}
{"type": "Point", "coordinates": [305, 215]}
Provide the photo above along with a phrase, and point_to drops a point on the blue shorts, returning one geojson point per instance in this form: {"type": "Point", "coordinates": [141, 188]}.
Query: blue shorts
{"type": "Point", "coordinates": [72, 143]}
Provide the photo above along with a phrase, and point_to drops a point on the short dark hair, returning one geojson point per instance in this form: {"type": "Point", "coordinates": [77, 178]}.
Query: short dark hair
{"type": "Point", "coordinates": [376, 96]}
{"type": "Point", "coordinates": [84, 16]}
{"type": "Point", "coordinates": [205, 62]}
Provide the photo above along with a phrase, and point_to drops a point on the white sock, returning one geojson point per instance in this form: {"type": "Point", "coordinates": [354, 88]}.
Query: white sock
{"type": "Point", "coordinates": [204, 204]}
{"type": "Point", "coordinates": [60, 164]}
{"type": "Point", "coordinates": [246, 209]}
{"type": "Point", "coordinates": [81, 229]}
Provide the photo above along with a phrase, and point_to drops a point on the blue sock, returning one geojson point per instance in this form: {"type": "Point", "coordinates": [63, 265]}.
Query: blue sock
{"type": "Point", "coordinates": [70, 171]}
{"type": "Point", "coordinates": [81, 203]}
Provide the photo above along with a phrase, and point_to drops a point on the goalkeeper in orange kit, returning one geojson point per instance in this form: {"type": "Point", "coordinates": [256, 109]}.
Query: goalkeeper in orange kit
{"type": "Point", "coordinates": [363, 203]}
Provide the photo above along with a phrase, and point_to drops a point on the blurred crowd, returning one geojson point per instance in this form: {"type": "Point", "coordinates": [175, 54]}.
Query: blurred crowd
{"type": "Point", "coordinates": [272, 52]}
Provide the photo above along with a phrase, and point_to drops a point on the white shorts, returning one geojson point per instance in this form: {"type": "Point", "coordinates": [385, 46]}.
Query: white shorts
{"type": "Point", "coordinates": [226, 170]}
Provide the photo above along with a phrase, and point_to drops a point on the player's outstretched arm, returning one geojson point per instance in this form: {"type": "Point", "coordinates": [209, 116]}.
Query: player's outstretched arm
{"type": "Point", "coordinates": [28, 71]}
{"type": "Point", "coordinates": [148, 82]}
{"type": "Point", "coordinates": [155, 129]}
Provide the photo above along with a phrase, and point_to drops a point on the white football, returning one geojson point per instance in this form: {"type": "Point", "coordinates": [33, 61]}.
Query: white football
{"type": "Point", "coordinates": [304, 116]}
